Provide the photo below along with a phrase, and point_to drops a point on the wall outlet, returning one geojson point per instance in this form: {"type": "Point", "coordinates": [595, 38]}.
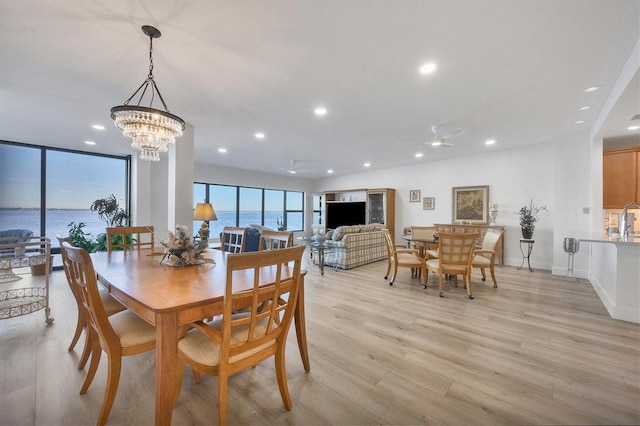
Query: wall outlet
{"type": "Point", "coordinates": [585, 210]}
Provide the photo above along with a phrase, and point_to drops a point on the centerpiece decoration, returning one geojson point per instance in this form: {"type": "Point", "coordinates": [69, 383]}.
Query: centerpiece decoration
{"type": "Point", "coordinates": [182, 250]}
{"type": "Point", "coordinates": [528, 218]}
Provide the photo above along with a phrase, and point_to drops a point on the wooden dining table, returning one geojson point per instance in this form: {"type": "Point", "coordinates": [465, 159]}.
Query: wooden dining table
{"type": "Point", "coordinates": [169, 297]}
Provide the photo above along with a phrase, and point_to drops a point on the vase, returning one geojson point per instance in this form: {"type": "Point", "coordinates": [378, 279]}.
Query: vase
{"type": "Point", "coordinates": [527, 232]}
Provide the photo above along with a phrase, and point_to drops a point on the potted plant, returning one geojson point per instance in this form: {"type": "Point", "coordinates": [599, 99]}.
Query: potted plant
{"type": "Point", "coordinates": [111, 213]}
{"type": "Point", "coordinates": [529, 217]}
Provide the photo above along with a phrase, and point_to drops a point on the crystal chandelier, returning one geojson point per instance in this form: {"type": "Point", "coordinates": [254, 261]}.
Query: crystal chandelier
{"type": "Point", "coordinates": [150, 129]}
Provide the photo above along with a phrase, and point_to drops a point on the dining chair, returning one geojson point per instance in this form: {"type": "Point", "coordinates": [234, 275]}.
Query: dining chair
{"type": "Point", "coordinates": [404, 257]}
{"type": "Point", "coordinates": [142, 237]}
{"type": "Point", "coordinates": [484, 256]}
{"type": "Point", "coordinates": [232, 343]}
{"type": "Point", "coordinates": [455, 251]}
{"type": "Point", "coordinates": [111, 306]}
{"type": "Point", "coordinates": [233, 239]}
{"type": "Point", "coordinates": [120, 334]}
{"type": "Point", "coordinates": [273, 240]}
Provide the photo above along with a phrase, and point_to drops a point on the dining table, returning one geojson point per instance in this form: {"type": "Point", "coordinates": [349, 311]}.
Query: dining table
{"type": "Point", "coordinates": [171, 297]}
{"type": "Point", "coordinates": [423, 244]}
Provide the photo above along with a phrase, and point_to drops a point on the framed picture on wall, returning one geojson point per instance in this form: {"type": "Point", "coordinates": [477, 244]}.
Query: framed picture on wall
{"type": "Point", "coordinates": [414, 196]}
{"type": "Point", "coordinates": [470, 204]}
{"type": "Point", "coordinates": [428, 203]}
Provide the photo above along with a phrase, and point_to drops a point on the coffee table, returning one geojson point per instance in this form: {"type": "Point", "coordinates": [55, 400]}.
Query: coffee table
{"type": "Point", "coordinates": [320, 249]}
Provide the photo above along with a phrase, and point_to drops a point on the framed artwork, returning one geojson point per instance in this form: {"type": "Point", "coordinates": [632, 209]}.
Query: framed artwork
{"type": "Point", "coordinates": [470, 204]}
{"type": "Point", "coordinates": [428, 203]}
{"type": "Point", "coordinates": [414, 196]}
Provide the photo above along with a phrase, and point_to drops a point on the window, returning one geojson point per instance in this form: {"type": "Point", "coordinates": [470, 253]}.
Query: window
{"type": "Point", "coordinates": [45, 189]}
{"type": "Point", "coordinates": [244, 206]}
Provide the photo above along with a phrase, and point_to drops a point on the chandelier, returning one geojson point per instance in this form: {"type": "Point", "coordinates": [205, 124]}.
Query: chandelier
{"type": "Point", "coordinates": [150, 129]}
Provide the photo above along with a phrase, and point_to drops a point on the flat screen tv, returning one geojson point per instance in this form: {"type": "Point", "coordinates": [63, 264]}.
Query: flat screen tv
{"type": "Point", "coordinates": [346, 213]}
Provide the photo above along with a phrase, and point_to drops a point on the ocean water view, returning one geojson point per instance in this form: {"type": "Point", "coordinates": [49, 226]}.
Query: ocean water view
{"type": "Point", "coordinates": [57, 221]}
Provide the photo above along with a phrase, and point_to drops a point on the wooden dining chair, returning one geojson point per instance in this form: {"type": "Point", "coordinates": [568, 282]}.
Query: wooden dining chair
{"type": "Point", "coordinates": [142, 237]}
{"type": "Point", "coordinates": [233, 239]}
{"type": "Point", "coordinates": [485, 256]}
{"type": "Point", "coordinates": [273, 240]}
{"type": "Point", "coordinates": [120, 334]}
{"type": "Point", "coordinates": [403, 257]}
{"type": "Point", "coordinates": [233, 343]}
{"type": "Point", "coordinates": [455, 251]}
{"type": "Point", "coordinates": [111, 306]}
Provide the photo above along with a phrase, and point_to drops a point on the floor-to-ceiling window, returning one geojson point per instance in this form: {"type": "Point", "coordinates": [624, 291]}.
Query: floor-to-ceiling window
{"type": "Point", "coordinates": [45, 189]}
{"type": "Point", "coordinates": [244, 206]}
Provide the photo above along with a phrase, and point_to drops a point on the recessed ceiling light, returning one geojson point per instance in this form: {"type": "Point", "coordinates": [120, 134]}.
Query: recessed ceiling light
{"type": "Point", "coordinates": [490, 142]}
{"type": "Point", "coordinates": [320, 111]}
{"type": "Point", "coordinates": [436, 143]}
{"type": "Point", "coordinates": [222, 150]}
{"type": "Point", "coordinates": [579, 121]}
{"type": "Point", "coordinates": [367, 164]}
{"type": "Point", "coordinates": [330, 171]}
{"type": "Point", "coordinates": [89, 142]}
{"type": "Point", "coordinates": [259, 135]}
{"type": "Point", "coordinates": [419, 155]}
{"type": "Point", "coordinates": [592, 89]}
{"type": "Point", "coordinates": [428, 68]}
{"type": "Point", "coordinates": [584, 108]}
{"type": "Point", "coordinates": [98, 126]}
{"type": "Point", "coordinates": [633, 127]}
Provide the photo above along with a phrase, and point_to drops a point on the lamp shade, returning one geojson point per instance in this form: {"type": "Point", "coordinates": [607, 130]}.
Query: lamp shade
{"type": "Point", "coordinates": [204, 211]}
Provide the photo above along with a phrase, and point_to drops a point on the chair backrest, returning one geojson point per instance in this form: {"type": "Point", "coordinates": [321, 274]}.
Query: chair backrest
{"type": "Point", "coordinates": [82, 277]}
{"type": "Point", "coordinates": [233, 239]}
{"type": "Point", "coordinates": [391, 252]}
{"type": "Point", "coordinates": [141, 237]}
{"type": "Point", "coordinates": [273, 240]}
{"type": "Point", "coordinates": [266, 323]}
{"type": "Point", "coordinates": [422, 232]}
{"type": "Point", "coordinates": [456, 248]}
{"type": "Point", "coordinates": [491, 239]}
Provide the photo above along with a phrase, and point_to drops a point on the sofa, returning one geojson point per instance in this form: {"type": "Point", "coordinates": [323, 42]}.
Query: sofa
{"type": "Point", "coordinates": [355, 245]}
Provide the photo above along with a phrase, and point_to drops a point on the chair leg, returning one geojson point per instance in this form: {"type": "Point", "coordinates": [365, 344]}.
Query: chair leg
{"type": "Point", "coordinates": [493, 276]}
{"type": "Point", "coordinates": [86, 351]}
{"type": "Point", "coordinates": [113, 378]}
{"type": "Point", "coordinates": [425, 276]}
{"type": "Point", "coordinates": [440, 284]}
{"type": "Point", "coordinates": [386, 275]}
{"type": "Point", "coordinates": [395, 273]}
{"type": "Point", "coordinates": [222, 397]}
{"type": "Point", "coordinates": [484, 275]}
{"type": "Point", "coordinates": [79, 327]}
{"type": "Point", "coordinates": [281, 374]}
{"type": "Point", "coordinates": [96, 353]}
{"type": "Point", "coordinates": [468, 280]}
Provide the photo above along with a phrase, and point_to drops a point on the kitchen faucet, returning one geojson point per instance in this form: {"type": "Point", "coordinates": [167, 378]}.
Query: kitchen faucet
{"type": "Point", "coordinates": [623, 225]}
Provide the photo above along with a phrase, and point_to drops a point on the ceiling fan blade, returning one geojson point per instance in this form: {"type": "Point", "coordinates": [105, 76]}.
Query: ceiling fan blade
{"type": "Point", "coordinates": [453, 134]}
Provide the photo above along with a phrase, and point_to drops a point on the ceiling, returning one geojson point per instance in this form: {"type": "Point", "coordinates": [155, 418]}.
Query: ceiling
{"type": "Point", "coordinates": [512, 71]}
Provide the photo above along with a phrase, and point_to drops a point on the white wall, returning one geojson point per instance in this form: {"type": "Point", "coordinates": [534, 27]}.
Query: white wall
{"type": "Point", "coordinates": [513, 177]}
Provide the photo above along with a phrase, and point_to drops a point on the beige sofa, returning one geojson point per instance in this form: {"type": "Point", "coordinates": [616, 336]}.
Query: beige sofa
{"type": "Point", "coordinates": [355, 246]}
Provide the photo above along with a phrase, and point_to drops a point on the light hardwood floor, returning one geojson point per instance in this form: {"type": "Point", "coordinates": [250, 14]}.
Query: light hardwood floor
{"type": "Point", "coordinates": [537, 350]}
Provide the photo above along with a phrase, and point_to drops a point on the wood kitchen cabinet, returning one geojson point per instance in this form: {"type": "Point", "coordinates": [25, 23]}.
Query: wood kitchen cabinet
{"type": "Point", "coordinates": [620, 177]}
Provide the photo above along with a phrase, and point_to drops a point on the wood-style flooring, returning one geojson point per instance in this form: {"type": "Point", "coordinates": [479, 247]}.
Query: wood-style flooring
{"type": "Point", "coordinates": [537, 350]}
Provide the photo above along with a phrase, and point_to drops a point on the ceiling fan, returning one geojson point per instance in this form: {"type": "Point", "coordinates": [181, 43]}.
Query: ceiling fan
{"type": "Point", "coordinates": [292, 169]}
{"type": "Point", "coordinates": [443, 140]}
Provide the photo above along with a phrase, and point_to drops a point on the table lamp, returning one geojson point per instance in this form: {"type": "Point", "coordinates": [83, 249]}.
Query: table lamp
{"type": "Point", "coordinates": [204, 212]}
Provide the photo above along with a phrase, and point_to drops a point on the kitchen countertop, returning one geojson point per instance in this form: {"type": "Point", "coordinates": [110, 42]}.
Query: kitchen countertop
{"type": "Point", "coordinates": [601, 237]}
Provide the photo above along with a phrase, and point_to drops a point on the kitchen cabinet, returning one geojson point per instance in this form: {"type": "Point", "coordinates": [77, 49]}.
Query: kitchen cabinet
{"type": "Point", "coordinates": [620, 177]}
